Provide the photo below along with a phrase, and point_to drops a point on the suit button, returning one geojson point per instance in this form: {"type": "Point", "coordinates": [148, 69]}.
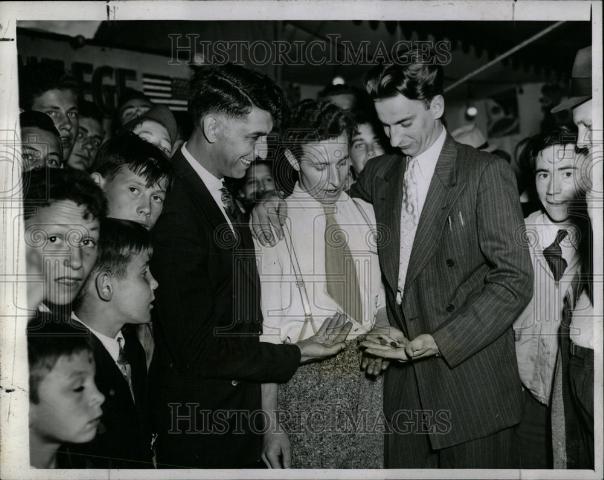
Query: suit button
{"type": "Point", "coordinates": [112, 393]}
{"type": "Point", "coordinates": [234, 383]}
{"type": "Point", "coordinates": [450, 307]}
{"type": "Point", "coordinates": [450, 262]}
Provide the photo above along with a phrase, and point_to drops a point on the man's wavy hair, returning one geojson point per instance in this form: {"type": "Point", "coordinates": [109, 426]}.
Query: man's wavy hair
{"type": "Point", "coordinates": [420, 79]}
{"type": "Point", "coordinates": [234, 90]}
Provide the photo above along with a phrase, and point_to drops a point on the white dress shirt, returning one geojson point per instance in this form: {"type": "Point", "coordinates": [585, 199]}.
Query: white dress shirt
{"type": "Point", "coordinates": [281, 297]}
{"type": "Point", "coordinates": [536, 329]}
{"type": "Point", "coordinates": [212, 183]}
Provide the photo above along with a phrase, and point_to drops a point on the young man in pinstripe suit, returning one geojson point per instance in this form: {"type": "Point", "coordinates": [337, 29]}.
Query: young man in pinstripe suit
{"type": "Point", "coordinates": [457, 273]}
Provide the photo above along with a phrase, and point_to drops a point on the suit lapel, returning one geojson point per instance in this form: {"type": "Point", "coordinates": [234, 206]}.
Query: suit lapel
{"type": "Point", "coordinates": [390, 191]}
{"type": "Point", "coordinates": [107, 371]}
{"type": "Point", "coordinates": [444, 188]}
{"type": "Point", "coordinates": [206, 203]}
{"type": "Point", "coordinates": [203, 198]}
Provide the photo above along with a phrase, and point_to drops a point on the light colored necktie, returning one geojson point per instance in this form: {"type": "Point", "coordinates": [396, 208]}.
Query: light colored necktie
{"type": "Point", "coordinates": [409, 220]}
{"type": "Point", "coordinates": [124, 365]}
{"type": "Point", "coordinates": [340, 270]}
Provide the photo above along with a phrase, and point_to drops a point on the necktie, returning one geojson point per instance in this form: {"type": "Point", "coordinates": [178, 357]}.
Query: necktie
{"type": "Point", "coordinates": [410, 201]}
{"type": "Point", "coordinates": [229, 204]}
{"type": "Point", "coordinates": [342, 282]}
{"type": "Point", "coordinates": [124, 365]}
{"type": "Point", "coordinates": [553, 256]}
{"type": "Point", "coordinates": [409, 221]}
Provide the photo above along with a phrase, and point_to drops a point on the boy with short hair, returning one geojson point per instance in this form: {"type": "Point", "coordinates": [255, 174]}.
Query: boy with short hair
{"type": "Point", "coordinates": [134, 176]}
{"type": "Point", "coordinates": [64, 402]}
{"type": "Point", "coordinates": [48, 89]}
{"type": "Point", "coordinates": [556, 253]}
{"type": "Point", "coordinates": [119, 291]}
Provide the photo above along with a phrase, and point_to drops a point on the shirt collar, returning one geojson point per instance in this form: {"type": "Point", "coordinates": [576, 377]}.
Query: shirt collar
{"type": "Point", "coordinates": [213, 183]}
{"type": "Point", "coordinates": [549, 230]}
{"type": "Point", "coordinates": [112, 345]}
{"type": "Point", "coordinates": [426, 161]}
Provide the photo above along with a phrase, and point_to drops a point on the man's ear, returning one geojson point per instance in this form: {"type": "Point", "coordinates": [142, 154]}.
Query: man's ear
{"type": "Point", "coordinates": [437, 106]}
{"type": "Point", "coordinates": [103, 285]}
{"type": "Point", "coordinates": [98, 179]}
{"type": "Point", "coordinates": [291, 158]}
{"type": "Point", "coordinates": [210, 126]}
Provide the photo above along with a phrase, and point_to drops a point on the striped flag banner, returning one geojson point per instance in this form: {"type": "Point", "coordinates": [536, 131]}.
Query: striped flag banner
{"type": "Point", "coordinates": [172, 92]}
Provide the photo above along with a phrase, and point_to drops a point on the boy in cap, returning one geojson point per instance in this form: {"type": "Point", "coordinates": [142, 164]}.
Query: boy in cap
{"type": "Point", "coordinates": [157, 126]}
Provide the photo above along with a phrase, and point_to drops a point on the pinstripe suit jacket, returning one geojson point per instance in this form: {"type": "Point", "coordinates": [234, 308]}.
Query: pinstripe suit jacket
{"type": "Point", "coordinates": [469, 277]}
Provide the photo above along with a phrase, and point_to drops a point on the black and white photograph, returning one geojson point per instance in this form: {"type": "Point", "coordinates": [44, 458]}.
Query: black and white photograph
{"type": "Point", "coordinates": [339, 239]}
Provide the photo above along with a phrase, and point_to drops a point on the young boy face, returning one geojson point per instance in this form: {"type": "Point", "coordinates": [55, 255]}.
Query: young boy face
{"type": "Point", "coordinates": [365, 146]}
{"type": "Point", "coordinates": [39, 149]}
{"type": "Point", "coordinates": [62, 239]}
{"type": "Point", "coordinates": [62, 107]}
{"type": "Point", "coordinates": [130, 198]}
{"type": "Point", "coordinates": [133, 293]}
{"type": "Point", "coordinates": [557, 180]}
{"type": "Point", "coordinates": [69, 403]}
{"type": "Point", "coordinates": [88, 140]}
{"type": "Point", "coordinates": [324, 168]}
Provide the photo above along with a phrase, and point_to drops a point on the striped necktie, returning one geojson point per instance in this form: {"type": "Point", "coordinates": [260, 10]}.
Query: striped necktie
{"type": "Point", "coordinates": [553, 256]}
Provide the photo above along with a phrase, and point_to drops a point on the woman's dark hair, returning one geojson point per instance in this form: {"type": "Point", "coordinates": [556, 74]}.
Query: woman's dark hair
{"type": "Point", "coordinates": [311, 121]}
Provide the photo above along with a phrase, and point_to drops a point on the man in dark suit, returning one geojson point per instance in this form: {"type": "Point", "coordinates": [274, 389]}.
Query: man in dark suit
{"type": "Point", "coordinates": [209, 364]}
{"type": "Point", "coordinates": [457, 273]}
